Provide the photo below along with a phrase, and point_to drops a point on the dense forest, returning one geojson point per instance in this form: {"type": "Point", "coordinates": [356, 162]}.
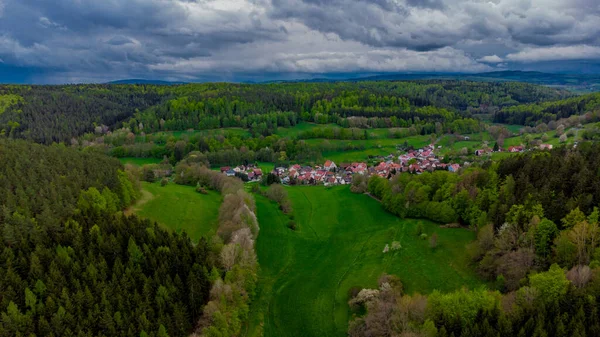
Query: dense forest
{"type": "Point", "coordinates": [545, 112]}
{"type": "Point", "coordinates": [47, 114]}
{"type": "Point", "coordinates": [72, 264]}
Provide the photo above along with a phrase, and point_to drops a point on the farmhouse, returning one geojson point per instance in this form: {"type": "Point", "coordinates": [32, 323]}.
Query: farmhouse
{"type": "Point", "coordinates": [329, 165]}
{"type": "Point", "coordinates": [481, 152]}
{"type": "Point", "coordinates": [453, 167]}
{"type": "Point", "coordinates": [515, 149]}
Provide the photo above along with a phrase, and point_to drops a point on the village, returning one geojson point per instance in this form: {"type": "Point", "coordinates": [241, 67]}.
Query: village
{"type": "Point", "coordinates": [330, 173]}
{"type": "Point", "coordinates": [413, 161]}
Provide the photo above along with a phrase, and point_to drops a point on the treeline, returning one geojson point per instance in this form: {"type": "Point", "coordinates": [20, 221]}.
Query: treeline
{"type": "Point", "coordinates": [47, 114]}
{"type": "Point", "coordinates": [559, 181]}
{"type": "Point", "coordinates": [532, 114]}
{"type": "Point", "coordinates": [72, 264]}
{"type": "Point", "coordinates": [230, 292]}
{"type": "Point", "coordinates": [548, 304]}
{"type": "Point", "coordinates": [263, 108]}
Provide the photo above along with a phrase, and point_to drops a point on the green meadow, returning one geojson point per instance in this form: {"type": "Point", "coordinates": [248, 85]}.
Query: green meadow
{"type": "Point", "coordinates": [305, 275]}
{"type": "Point", "coordinates": [180, 208]}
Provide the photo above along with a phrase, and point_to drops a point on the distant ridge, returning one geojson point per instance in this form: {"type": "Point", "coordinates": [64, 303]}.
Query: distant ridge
{"type": "Point", "coordinates": [574, 82]}
{"type": "Point", "coordinates": [142, 81]}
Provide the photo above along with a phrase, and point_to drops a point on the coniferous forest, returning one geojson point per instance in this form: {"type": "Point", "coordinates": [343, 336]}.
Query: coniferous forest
{"type": "Point", "coordinates": [73, 265]}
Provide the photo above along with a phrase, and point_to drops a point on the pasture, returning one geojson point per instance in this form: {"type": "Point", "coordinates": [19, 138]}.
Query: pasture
{"type": "Point", "coordinates": [306, 274]}
{"type": "Point", "coordinates": [179, 208]}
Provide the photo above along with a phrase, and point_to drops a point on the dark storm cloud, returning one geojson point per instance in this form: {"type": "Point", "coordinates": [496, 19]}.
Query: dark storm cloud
{"type": "Point", "coordinates": [187, 39]}
{"type": "Point", "coordinates": [429, 24]}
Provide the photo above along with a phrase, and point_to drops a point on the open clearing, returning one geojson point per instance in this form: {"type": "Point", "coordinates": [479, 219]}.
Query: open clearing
{"type": "Point", "coordinates": [306, 275]}
{"type": "Point", "coordinates": [180, 208]}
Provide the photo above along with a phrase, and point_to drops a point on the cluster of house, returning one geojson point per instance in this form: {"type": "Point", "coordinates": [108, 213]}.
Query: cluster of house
{"type": "Point", "coordinates": [425, 159]}
{"type": "Point", "coordinates": [414, 161]}
{"type": "Point", "coordinates": [254, 173]}
{"type": "Point", "coordinates": [328, 174]}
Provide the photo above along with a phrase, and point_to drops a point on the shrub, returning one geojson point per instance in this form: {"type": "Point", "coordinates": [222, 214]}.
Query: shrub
{"type": "Point", "coordinates": [201, 190]}
{"type": "Point", "coordinates": [423, 236]}
{"type": "Point", "coordinates": [292, 225]}
{"type": "Point", "coordinates": [164, 181]}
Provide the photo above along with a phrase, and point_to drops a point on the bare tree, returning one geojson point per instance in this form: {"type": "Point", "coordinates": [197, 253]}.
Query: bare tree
{"type": "Point", "coordinates": [579, 275]}
{"type": "Point", "coordinates": [229, 255]}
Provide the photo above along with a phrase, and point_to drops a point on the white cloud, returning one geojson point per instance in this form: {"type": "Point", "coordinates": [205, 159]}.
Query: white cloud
{"type": "Point", "coordinates": [560, 53]}
{"type": "Point", "coordinates": [491, 59]}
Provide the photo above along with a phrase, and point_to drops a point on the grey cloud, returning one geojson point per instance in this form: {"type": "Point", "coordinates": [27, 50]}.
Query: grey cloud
{"type": "Point", "coordinates": [431, 24]}
{"type": "Point", "coordinates": [119, 40]}
{"type": "Point", "coordinates": [189, 38]}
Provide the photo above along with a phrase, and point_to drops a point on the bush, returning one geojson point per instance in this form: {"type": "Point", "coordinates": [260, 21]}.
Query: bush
{"type": "Point", "coordinates": [423, 236]}
{"type": "Point", "coordinates": [201, 190]}
{"type": "Point", "coordinates": [292, 225]}
{"type": "Point", "coordinates": [164, 181]}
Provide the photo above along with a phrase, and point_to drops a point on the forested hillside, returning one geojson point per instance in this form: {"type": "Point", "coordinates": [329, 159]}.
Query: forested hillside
{"type": "Point", "coordinates": [532, 114]}
{"type": "Point", "coordinates": [72, 264]}
{"type": "Point", "coordinates": [49, 114]}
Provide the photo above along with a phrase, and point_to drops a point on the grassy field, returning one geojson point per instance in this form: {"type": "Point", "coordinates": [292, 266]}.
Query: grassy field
{"type": "Point", "coordinates": [190, 133]}
{"type": "Point", "coordinates": [372, 147]}
{"type": "Point", "coordinates": [139, 161]}
{"type": "Point", "coordinates": [301, 127]}
{"type": "Point", "coordinates": [179, 208]}
{"type": "Point", "coordinates": [306, 274]}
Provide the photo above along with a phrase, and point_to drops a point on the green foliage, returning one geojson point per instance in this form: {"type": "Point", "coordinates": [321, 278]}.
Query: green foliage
{"type": "Point", "coordinates": [573, 218]}
{"type": "Point", "coordinates": [462, 305]}
{"type": "Point", "coordinates": [552, 285]}
{"type": "Point", "coordinates": [545, 233]}
{"type": "Point", "coordinates": [7, 101]}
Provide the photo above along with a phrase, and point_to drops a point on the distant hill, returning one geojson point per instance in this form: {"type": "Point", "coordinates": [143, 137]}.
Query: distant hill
{"type": "Point", "coordinates": [142, 81]}
{"type": "Point", "coordinates": [573, 82]}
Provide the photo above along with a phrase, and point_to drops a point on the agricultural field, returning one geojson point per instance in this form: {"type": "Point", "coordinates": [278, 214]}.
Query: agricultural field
{"type": "Point", "coordinates": [301, 127]}
{"type": "Point", "coordinates": [179, 208]}
{"type": "Point", "coordinates": [306, 274]}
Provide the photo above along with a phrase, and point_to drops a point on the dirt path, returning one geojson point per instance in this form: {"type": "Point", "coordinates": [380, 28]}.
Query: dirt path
{"type": "Point", "coordinates": [146, 196]}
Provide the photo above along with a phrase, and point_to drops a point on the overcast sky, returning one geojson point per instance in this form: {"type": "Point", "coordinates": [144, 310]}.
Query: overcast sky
{"type": "Point", "coordinates": [66, 41]}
